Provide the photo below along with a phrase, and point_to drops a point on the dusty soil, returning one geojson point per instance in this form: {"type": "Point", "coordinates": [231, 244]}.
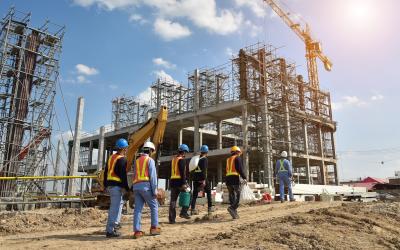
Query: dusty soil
{"type": "Point", "coordinates": [314, 225]}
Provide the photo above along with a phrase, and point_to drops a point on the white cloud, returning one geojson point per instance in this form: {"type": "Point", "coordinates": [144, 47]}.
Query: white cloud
{"type": "Point", "coordinates": [169, 30]}
{"type": "Point", "coordinates": [161, 74]}
{"type": "Point", "coordinates": [252, 29]}
{"type": "Point", "coordinates": [258, 7]}
{"type": "Point", "coordinates": [86, 70]}
{"type": "Point", "coordinates": [82, 79]}
{"type": "Point", "coordinates": [377, 97]}
{"type": "Point", "coordinates": [161, 62]}
{"type": "Point", "coordinates": [144, 96]}
{"type": "Point", "coordinates": [137, 18]}
{"type": "Point", "coordinates": [349, 101]}
{"type": "Point", "coordinates": [203, 14]}
{"type": "Point", "coordinates": [229, 51]}
{"type": "Point", "coordinates": [113, 86]}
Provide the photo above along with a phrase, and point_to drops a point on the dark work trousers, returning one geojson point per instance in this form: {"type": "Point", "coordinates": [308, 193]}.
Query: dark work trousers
{"type": "Point", "coordinates": [172, 204]}
{"type": "Point", "coordinates": [234, 196]}
{"type": "Point", "coordinates": [197, 189]}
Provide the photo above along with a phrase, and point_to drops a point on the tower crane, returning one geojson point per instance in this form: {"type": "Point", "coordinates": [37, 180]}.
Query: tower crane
{"type": "Point", "coordinates": [313, 47]}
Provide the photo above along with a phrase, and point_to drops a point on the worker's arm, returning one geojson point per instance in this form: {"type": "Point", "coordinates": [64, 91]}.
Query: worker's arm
{"type": "Point", "coordinates": [105, 176]}
{"type": "Point", "coordinates": [182, 169]}
{"type": "Point", "coordinates": [239, 167]}
{"type": "Point", "coordinates": [205, 167]}
{"type": "Point", "coordinates": [289, 167]}
{"type": "Point", "coordinates": [120, 167]}
{"type": "Point", "coordinates": [153, 176]}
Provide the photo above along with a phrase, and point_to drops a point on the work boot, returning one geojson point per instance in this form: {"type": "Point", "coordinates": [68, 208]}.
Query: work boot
{"type": "Point", "coordinates": [185, 216]}
{"type": "Point", "coordinates": [117, 226]}
{"type": "Point", "coordinates": [236, 215]}
{"type": "Point", "coordinates": [292, 200]}
{"type": "Point", "coordinates": [138, 234]}
{"type": "Point", "coordinates": [282, 201]}
{"type": "Point", "coordinates": [194, 212]}
{"type": "Point", "coordinates": [210, 210]}
{"type": "Point", "coordinates": [113, 234]}
{"type": "Point", "coordinates": [231, 212]}
{"type": "Point", "coordinates": [155, 231]}
{"type": "Point", "coordinates": [171, 222]}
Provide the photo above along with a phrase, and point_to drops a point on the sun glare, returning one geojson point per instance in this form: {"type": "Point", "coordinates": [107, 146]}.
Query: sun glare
{"type": "Point", "coordinates": [360, 11]}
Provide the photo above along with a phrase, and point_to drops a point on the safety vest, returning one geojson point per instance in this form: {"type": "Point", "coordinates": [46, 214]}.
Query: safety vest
{"type": "Point", "coordinates": [282, 166]}
{"type": "Point", "coordinates": [175, 173]}
{"type": "Point", "coordinates": [230, 166]}
{"type": "Point", "coordinates": [141, 169]}
{"type": "Point", "coordinates": [111, 175]}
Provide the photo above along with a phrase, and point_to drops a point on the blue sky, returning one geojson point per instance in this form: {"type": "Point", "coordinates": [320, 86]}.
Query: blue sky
{"type": "Point", "coordinates": [115, 47]}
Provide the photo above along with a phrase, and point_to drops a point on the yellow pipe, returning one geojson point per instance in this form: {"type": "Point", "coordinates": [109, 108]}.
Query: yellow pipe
{"type": "Point", "coordinates": [14, 178]}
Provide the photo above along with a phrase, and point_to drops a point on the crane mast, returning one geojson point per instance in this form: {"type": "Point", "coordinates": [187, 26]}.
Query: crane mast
{"type": "Point", "coordinates": [313, 48]}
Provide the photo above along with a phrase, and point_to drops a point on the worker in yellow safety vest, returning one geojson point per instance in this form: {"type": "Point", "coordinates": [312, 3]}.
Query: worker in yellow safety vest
{"type": "Point", "coordinates": [178, 183]}
{"type": "Point", "coordinates": [284, 175]}
{"type": "Point", "coordinates": [116, 182]}
{"type": "Point", "coordinates": [145, 189]}
{"type": "Point", "coordinates": [234, 170]}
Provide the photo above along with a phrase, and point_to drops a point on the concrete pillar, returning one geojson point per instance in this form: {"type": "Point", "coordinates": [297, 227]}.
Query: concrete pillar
{"type": "Point", "coordinates": [57, 166]}
{"type": "Point", "coordinates": [337, 181]}
{"type": "Point", "coordinates": [90, 156]}
{"type": "Point", "coordinates": [288, 133]}
{"type": "Point", "coordinates": [219, 170]}
{"type": "Point", "coordinates": [200, 138]}
{"type": "Point", "coordinates": [196, 136]}
{"type": "Point", "coordinates": [266, 144]}
{"type": "Point", "coordinates": [76, 144]}
{"type": "Point", "coordinates": [308, 171]}
{"type": "Point", "coordinates": [180, 136]}
{"type": "Point", "coordinates": [321, 148]}
{"type": "Point", "coordinates": [100, 156]}
{"type": "Point", "coordinates": [245, 140]}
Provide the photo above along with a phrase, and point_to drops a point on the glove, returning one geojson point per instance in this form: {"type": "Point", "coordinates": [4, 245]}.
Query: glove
{"type": "Point", "coordinates": [244, 182]}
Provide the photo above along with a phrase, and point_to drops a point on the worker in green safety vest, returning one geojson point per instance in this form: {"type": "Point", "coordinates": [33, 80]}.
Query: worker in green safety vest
{"type": "Point", "coordinates": [284, 175]}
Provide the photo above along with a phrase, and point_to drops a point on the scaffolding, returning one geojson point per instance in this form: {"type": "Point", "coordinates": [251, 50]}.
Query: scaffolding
{"type": "Point", "coordinates": [256, 101]}
{"type": "Point", "coordinates": [29, 68]}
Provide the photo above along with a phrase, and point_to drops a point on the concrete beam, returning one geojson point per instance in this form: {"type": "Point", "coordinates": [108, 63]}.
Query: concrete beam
{"type": "Point", "coordinates": [100, 155]}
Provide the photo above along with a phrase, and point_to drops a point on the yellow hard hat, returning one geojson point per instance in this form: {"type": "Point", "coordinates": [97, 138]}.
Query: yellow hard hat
{"type": "Point", "coordinates": [235, 149]}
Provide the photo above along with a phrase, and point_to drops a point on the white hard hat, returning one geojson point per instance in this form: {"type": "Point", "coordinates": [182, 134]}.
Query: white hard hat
{"type": "Point", "coordinates": [149, 144]}
{"type": "Point", "coordinates": [284, 154]}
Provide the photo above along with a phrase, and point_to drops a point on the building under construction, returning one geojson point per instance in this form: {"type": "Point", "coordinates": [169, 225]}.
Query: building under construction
{"type": "Point", "coordinates": [29, 67]}
{"type": "Point", "coordinates": [256, 101]}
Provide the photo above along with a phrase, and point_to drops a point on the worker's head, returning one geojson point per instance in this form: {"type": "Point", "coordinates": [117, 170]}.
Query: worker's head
{"type": "Point", "coordinates": [204, 150]}
{"type": "Point", "coordinates": [284, 154]}
{"type": "Point", "coordinates": [183, 148]}
{"type": "Point", "coordinates": [121, 145]}
{"type": "Point", "coordinates": [148, 148]}
{"type": "Point", "coordinates": [235, 150]}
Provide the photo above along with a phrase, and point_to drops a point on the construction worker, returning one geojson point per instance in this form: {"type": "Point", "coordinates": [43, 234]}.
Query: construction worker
{"type": "Point", "coordinates": [178, 183]}
{"type": "Point", "coordinates": [116, 182]}
{"type": "Point", "coordinates": [199, 177]}
{"type": "Point", "coordinates": [234, 170]}
{"type": "Point", "coordinates": [284, 174]}
{"type": "Point", "coordinates": [145, 189]}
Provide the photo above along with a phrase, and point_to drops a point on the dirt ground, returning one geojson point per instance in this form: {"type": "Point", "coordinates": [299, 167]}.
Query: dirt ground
{"type": "Point", "coordinates": [300, 225]}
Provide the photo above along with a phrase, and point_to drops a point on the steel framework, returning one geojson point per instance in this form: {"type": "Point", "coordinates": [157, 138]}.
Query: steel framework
{"type": "Point", "coordinates": [29, 68]}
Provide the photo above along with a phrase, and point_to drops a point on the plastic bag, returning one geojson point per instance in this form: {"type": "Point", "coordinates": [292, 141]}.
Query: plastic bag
{"type": "Point", "coordinates": [246, 195]}
{"type": "Point", "coordinates": [194, 162]}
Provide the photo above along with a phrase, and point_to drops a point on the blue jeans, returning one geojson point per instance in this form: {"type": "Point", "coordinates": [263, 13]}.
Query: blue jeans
{"type": "Point", "coordinates": [141, 197]}
{"type": "Point", "coordinates": [285, 180]}
{"type": "Point", "coordinates": [115, 207]}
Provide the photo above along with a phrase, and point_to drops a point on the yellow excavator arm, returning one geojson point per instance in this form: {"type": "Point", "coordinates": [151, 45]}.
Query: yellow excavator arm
{"type": "Point", "coordinates": [154, 129]}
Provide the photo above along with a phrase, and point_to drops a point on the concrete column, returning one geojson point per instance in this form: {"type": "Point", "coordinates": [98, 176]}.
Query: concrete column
{"type": "Point", "coordinates": [180, 135]}
{"type": "Point", "coordinates": [57, 166]}
{"type": "Point", "coordinates": [245, 140]}
{"type": "Point", "coordinates": [321, 148]}
{"type": "Point", "coordinates": [219, 134]}
{"type": "Point", "coordinates": [90, 156]}
{"type": "Point", "coordinates": [288, 132]}
{"type": "Point", "coordinates": [76, 143]}
{"type": "Point", "coordinates": [196, 136]}
{"type": "Point", "coordinates": [333, 139]}
{"type": "Point", "coordinates": [100, 156]}
{"type": "Point", "coordinates": [219, 170]}
{"type": "Point", "coordinates": [305, 133]}
{"type": "Point", "coordinates": [200, 139]}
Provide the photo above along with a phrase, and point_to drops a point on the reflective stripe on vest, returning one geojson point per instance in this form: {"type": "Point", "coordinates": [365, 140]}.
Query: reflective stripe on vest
{"type": "Point", "coordinates": [282, 166]}
{"type": "Point", "coordinates": [175, 173]}
{"type": "Point", "coordinates": [111, 175]}
{"type": "Point", "coordinates": [198, 169]}
{"type": "Point", "coordinates": [141, 169]}
{"type": "Point", "coordinates": [230, 166]}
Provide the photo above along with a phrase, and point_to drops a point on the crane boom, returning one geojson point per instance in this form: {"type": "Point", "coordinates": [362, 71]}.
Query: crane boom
{"type": "Point", "coordinates": [313, 48]}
